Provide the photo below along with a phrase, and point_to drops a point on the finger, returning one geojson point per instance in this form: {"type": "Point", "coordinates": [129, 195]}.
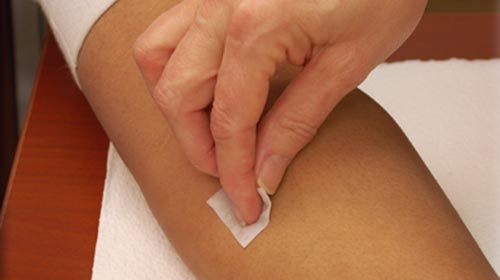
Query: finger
{"type": "Point", "coordinates": [186, 86]}
{"type": "Point", "coordinates": [302, 108]}
{"type": "Point", "coordinates": [154, 47]}
{"type": "Point", "coordinates": [240, 95]}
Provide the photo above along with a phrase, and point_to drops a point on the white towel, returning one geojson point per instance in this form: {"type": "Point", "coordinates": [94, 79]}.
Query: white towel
{"type": "Point", "coordinates": [130, 243]}
{"type": "Point", "coordinates": [450, 111]}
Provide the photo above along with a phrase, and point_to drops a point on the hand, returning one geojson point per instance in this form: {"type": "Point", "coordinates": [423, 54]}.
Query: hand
{"type": "Point", "coordinates": [222, 53]}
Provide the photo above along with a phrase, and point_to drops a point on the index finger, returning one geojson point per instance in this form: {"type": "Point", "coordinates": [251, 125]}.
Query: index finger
{"type": "Point", "coordinates": [240, 95]}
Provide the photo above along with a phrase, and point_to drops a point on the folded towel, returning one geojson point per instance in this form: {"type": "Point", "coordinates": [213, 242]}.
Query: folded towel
{"type": "Point", "coordinates": [448, 109]}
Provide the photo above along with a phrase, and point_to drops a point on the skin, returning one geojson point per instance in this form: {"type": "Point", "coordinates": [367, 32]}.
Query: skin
{"type": "Point", "coordinates": [357, 203]}
{"type": "Point", "coordinates": [206, 53]}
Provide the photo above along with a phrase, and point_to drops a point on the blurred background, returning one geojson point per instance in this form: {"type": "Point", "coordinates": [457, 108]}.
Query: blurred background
{"type": "Point", "coordinates": [22, 31]}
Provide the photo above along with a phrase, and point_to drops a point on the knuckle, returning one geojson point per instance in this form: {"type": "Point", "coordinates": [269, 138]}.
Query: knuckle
{"type": "Point", "coordinates": [353, 67]}
{"type": "Point", "coordinates": [204, 22]}
{"type": "Point", "coordinates": [165, 99]}
{"type": "Point", "coordinates": [141, 51]}
{"type": "Point", "coordinates": [203, 14]}
{"type": "Point", "coordinates": [296, 127]}
{"type": "Point", "coordinates": [221, 121]}
{"type": "Point", "coordinates": [244, 20]}
{"type": "Point", "coordinates": [146, 54]}
{"type": "Point", "coordinates": [209, 8]}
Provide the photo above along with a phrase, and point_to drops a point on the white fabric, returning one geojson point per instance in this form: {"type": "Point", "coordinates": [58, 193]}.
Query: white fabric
{"type": "Point", "coordinates": [448, 109]}
{"type": "Point", "coordinates": [223, 207]}
{"type": "Point", "coordinates": [70, 21]}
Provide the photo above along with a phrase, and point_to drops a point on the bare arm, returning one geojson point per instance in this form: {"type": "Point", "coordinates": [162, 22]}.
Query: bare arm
{"type": "Point", "coordinates": [357, 203]}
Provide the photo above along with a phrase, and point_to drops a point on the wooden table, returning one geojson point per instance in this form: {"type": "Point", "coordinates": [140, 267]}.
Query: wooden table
{"type": "Point", "coordinates": [51, 211]}
{"type": "Point", "coordinates": [53, 199]}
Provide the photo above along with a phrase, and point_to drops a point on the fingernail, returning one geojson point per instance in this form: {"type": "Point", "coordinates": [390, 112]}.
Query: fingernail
{"type": "Point", "coordinates": [271, 173]}
{"type": "Point", "coordinates": [238, 215]}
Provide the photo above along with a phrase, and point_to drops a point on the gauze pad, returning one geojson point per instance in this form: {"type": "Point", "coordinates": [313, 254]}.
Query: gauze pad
{"type": "Point", "coordinates": [223, 207]}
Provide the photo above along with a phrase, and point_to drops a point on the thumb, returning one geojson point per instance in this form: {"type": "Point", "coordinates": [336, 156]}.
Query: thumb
{"type": "Point", "coordinates": [304, 105]}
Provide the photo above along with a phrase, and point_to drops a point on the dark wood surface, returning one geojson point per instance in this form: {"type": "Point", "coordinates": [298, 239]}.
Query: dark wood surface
{"type": "Point", "coordinates": [51, 212]}
{"type": "Point", "coordinates": [445, 35]}
{"type": "Point", "coordinates": [53, 200]}
{"type": "Point", "coordinates": [463, 6]}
